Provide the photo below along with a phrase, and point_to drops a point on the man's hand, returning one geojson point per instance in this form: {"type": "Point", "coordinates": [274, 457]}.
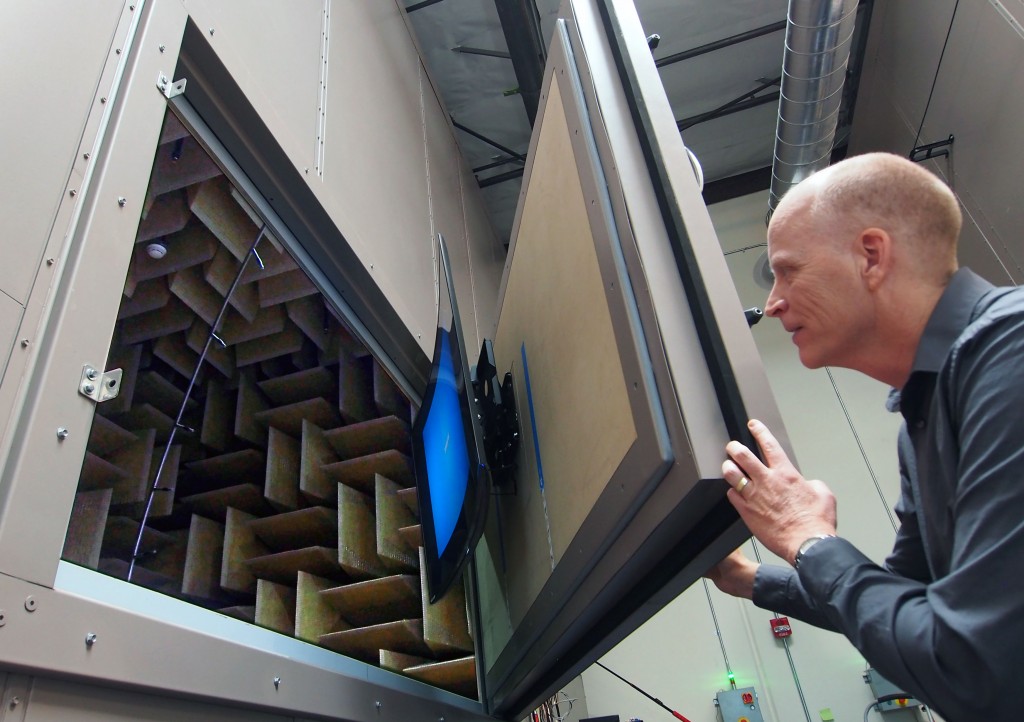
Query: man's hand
{"type": "Point", "coordinates": [780, 507]}
{"type": "Point", "coordinates": [734, 575]}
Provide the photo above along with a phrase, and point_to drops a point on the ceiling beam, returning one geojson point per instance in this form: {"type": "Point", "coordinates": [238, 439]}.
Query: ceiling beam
{"type": "Point", "coordinates": [520, 22]}
{"type": "Point", "coordinates": [420, 5]}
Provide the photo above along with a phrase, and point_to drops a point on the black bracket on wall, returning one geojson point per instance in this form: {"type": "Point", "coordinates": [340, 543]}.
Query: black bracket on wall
{"type": "Point", "coordinates": [932, 150]}
{"type": "Point", "coordinates": [496, 402]}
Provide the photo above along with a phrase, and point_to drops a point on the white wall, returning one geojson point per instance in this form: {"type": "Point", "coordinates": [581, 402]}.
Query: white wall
{"type": "Point", "coordinates": [677, 656]}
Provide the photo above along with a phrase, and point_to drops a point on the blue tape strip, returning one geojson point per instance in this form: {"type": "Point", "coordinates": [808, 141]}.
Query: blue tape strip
{"type": "Point", "coordinates": [533, 418]}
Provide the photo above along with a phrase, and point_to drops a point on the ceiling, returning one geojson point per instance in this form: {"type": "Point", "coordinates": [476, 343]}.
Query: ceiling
{"type": "Point", "coordinates": [710, 55]}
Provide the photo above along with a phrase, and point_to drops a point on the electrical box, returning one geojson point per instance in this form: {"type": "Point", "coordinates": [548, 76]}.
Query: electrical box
{"type": "Point", "coordinates": [881, 687]}
{"type": "Point", "coordinates": [738, 705]}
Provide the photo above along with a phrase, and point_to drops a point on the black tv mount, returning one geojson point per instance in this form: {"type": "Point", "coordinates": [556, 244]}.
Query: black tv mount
{"type": "Point", "coordinates": [496, 402]}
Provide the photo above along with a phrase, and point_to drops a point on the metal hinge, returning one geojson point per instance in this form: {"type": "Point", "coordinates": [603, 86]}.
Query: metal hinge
{"type": "Point", "coordinates": [99, 386]}
{"type": "Point", "coordinates": [169, 89]}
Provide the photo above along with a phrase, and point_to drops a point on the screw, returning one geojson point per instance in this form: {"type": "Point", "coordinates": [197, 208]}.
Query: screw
{"type": "Point", "coordinates": [50, 261]}
{"type": "Point", "coordinates": [118, 51]}
{"type": "Point", "coordinates": [277, 682]}
{"type": "Point", "coordinates": [3, 618]}
{"type": "Point", "coordinates": [103, 100]}
{"type": "Point", "coordinates": [62, 433]}
{"type": "Point", "coordinates": [30, 604]}
{"type": "Point", "coordinates": [91, 374]}
{"type": "Point", "coordinates": [88, 388]}
{"type": "Point", "coordinates": [90, 639]}
{"type": "Point", "coordinates": [163, 48]}
{"type": "Point", "coordinates": [15, 701]}
{"type": "Point", "coordinates": [121, 201]}
{"type": "Point", "coordinates": [377, 704]}
{"type": "Point", "coordinates": [73, 193]}
{"type": "Point", "coordinates": [86, 155]}
{"type": "Point", "coordinates": [132, 8]}
{"type": "Point", "coordinates": [211, 31]}
{"type": "Point", "coordinates": [24, 343]}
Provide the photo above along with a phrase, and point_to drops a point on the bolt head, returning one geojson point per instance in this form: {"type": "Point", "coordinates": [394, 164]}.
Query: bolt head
{"type": "Point", "coordinates": [62, 433]}
{"type": "Point", "coordinates": [122, 201]}
{"type": "Point", "coordinates": [73, 193]}
{"type": "Point", "coordinates": [88, 388]}
{"type": "Point", "coordinates": [30, 604]}
{"type": "Point", "coordinates": [163, 48]}
{"type": "Point", "coordinates": [90, 639]}
{"type": "Point", "coordinates": [91, 374]}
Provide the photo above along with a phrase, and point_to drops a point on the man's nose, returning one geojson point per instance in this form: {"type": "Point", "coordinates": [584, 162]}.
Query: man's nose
{"type": "Point", "coordinates": [775, 304]}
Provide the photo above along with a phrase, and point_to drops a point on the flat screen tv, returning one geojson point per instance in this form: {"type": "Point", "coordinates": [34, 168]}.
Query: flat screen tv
{"type": "Point", "coordinates": [452, 479]}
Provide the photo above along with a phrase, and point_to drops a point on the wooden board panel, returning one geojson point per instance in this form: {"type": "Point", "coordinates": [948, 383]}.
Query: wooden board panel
{"type": "Point", "coordinates": [235, 329]}
{"type": "Point", "coordinates": [281, 488]}
{"type": "Point", "coordinates": [392, 515]}
{"type": "Point", "coordinates": [212, 203]}
{"type": "Point", "coordinates": [365, 643]}
{"type": "Point", "coordinates": [203, 560]}
{"type": "Point", "coordinates": [217, 355]}
{"type": "Point", "coordinates": [106, 436]}
{"type": "Point", "coordinates": [315, 453]}
{"type": "Point", "coordinates": [149, 296]}
{"type": "Point", "coordinates": [244, 612]}
{"type": "Point", "coordinates": [300, 386]}
{"type": "Point", "coordinates": [286, 342]}
{"type": "Point", "coordinates": [228, 469]}
{"type": "Point", "coordinates": [218, 416]}
{"type": "Point", "coordinates": [85, 530]}
{"type": "Point", "coordinates": [169, 560]}
{"type": "Point", "coordinates": [141, 576]}
{"type": "Point", "coordinates": [314, 617]}
{"type": "Point", "coordinates": [163, 495]}
{"type": "Point", "coordinates": [240, 545]}
{"type": "Point", "coordinates": [154, 389]}
{"type": "Point", "coordinates": [168, 214]}
{"type": "Point", "coordinates": [370, 437]}
{"type": "Point", "coordinates": [174, 351]}
{"type": "Point", "coordinates": [357, 543]}
{"type": "Point", "coordinates": [292, 417]}
{"type": "Point", "coordinates": [249, 406]}
{"type": "Point", "coordinates": [314, 526]}
{"type": "Point", "coordinates": [412, 535]}
{"type": "Point", "coordinates": [445, 624]}
{"type": "Point", "coordinates": [308, 314]}
{"type": "Point", "coordinates": [455, 675]}
{"type": "Point", "coordinates": [176, 167]}
{"type": "Point", "coordinates": [355, 388]}
{"type": "Point", "coordinates": [221, 273]}
{"type": "Point", "coordinates": [396, 661]}
{"type": "Point", "coordinates": [120, 534]}
{"type": "Point", "coordinates": [285, 287]}
{"type": "Point", "coordinates": [275, 607]}
{"type": "Point", "coordinates": [214, 504]}
{"type": "Point", "coordinates": [409, 498]}
{"type": "Point", "coordinates": [386, 396]}
{"type": "Point", "coordinates": [362, 471]}
{"type": "Point", "coordinates": [174, 316]}
{"type": "Point", "coordinates": [283, 567]}
{"type": "Point", "coordinates": [189, 247]}
{"type": "Point", "coordinates": [375, 601]}
{"type": "Point", "coordinates": [274, 262]}
{"type": "Point", "coordinates": [143, 416]}
{"type": "Point", "coordinates": [134, 459]}
{"type": "Point", "coordinates": [191, 288]}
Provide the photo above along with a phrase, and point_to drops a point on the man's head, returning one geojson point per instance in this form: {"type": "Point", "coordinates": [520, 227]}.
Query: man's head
{"type": "Point", "coordinates": [861, 252]}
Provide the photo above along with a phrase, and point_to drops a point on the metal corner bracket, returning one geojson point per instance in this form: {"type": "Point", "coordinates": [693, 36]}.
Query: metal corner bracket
{"type": "Point", "coordinates": [99, 386]}
{"type": "Point", "coordinates": [169, 89]}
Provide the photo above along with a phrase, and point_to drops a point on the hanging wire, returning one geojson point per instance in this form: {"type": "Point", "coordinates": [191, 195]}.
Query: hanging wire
{"type": "Point", "coordinates": [949, 31]}
{"type": "Point", "coordinates": [789, 653]}
{"type": "Point", "coordinates": [718, 631]}
{"type": "Point", "coordinates": [188, 393]}
{"type": "Point", "coordinates": [863, 451]}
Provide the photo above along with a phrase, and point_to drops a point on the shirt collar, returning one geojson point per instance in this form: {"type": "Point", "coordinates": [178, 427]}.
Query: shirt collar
{"type": "Point", "coordinates": [951, 316]}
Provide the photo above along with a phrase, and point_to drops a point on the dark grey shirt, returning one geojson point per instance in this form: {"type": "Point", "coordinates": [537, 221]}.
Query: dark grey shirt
{"type": "Point", "coordinates": [944, 617]}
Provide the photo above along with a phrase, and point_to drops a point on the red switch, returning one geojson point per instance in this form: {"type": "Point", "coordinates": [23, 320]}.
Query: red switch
{"type": "Point", "coordinates": [780, 627]}
{"type": "Point", "coordinates": [748, 698]}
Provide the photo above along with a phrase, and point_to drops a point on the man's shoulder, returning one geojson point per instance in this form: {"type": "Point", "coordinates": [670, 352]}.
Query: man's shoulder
{"type": "Point", "coordinates": [998, 318]}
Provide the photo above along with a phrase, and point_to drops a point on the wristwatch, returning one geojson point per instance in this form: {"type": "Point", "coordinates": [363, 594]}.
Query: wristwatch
{"type": "Point", "coordinates": [807, 545]}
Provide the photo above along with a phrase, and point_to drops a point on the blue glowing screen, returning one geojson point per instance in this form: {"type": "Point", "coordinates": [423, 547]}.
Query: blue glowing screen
{"type": "Point", "coordinates": [444, 449]}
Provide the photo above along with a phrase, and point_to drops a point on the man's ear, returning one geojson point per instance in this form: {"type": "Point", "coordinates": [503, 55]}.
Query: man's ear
{"type": "Point", "coordinates": [874, 248]}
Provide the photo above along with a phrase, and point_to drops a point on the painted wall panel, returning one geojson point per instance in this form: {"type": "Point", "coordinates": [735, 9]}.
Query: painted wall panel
{"type": "Point", "coordinates": [50, 75]}
{"type": "Point", "coordinates": [274, 52]}
{"type": "Point", "coordinates": [487, 254]}
{"type": "Point", "coordinates": [10, 318]}
{"type": "Point", "coordinates": [375, 167]}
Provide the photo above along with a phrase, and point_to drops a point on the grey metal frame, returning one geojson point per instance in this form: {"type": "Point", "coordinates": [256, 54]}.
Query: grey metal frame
{"type": "Point", "coordinates": [58, 619]}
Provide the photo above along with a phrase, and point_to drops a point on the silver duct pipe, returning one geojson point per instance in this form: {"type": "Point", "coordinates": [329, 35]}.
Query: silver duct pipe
{"type": "Point", "coordinates": [819, 34]}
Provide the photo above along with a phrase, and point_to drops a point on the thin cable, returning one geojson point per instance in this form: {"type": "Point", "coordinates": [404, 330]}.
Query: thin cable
{"type": "Point", "coordinates": [863, 451]}
{"type": "Point", "coordinates": [935, 79]}
{"type": "Point", "coordinates": [789, 653]}
{"type": "Point", "coordinates": [184, 403]}
{"type": "Point", "coordinates": [718, 631]}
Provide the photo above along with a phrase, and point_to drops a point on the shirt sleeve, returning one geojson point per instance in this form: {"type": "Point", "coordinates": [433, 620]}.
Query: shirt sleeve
{"type": "Point", "coordinates": [778, 589]}
{"type": "Point", "coordinates": [952, 642]}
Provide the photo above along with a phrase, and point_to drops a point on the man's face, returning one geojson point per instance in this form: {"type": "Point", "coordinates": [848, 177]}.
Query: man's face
{"type": "Point", "coordinates": [818, 295]}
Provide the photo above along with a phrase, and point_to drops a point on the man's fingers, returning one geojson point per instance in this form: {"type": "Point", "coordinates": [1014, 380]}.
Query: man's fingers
{"type": "Point", "coordinates": [744, 458]}
{"type": "Point", "coordinates": [770, 447]}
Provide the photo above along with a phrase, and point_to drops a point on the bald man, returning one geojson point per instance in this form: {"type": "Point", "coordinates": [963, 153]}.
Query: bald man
{"type": "Point", "coordinates": [864, 257]}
